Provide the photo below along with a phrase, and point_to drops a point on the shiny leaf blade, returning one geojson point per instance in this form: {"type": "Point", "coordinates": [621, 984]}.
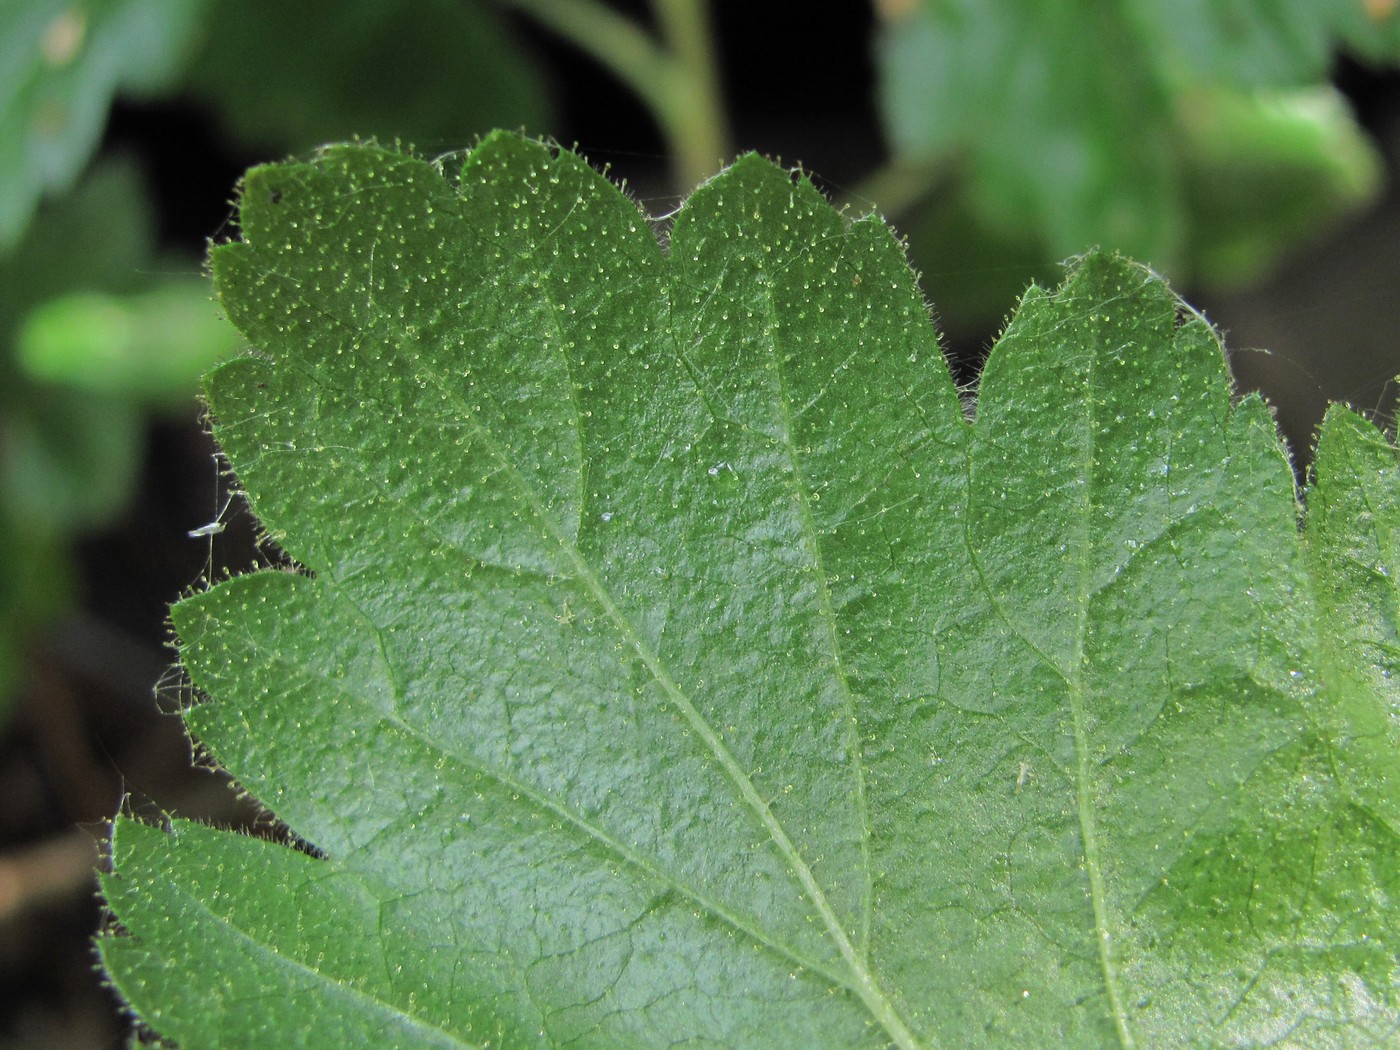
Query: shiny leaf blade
{"type": "Point", "coordinates": [674, 661]}
{"type": "Point", "coordinates": [1354, 528]}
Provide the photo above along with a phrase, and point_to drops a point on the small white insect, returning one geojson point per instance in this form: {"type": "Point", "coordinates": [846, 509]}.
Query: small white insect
{"type": "Point", "coordinates": [214, 527]}
{"type": "Point", "coordinates": [1022, 775]}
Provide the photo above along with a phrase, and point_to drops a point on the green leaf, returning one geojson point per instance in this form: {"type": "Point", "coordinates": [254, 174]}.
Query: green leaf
{"type": "Point", "coordinates": [1183, 134]}
{"type": "Point", "coordinates": [675, 664]}
{"type": "Point", "coordinates": [1354, 511]}
{"type": "Point", "coordinates": [67, 458]}
{"type": "Point", "coordinates": [151, 346]}
{"type": "Point", "coordinates": [61, 63]}
{"type": "Point", "coordinates": [1263, 172]}
{"type": "Point", "coordinates": [1265, 43]}
{"type": "Point", "coordinates": [434, 72]}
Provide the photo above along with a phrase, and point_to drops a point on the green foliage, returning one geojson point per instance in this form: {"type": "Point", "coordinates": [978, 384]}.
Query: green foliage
{"type": "Point", "coordinates": [1196, 136]}
{"type": "Point", "coordinates": [1353, 512]}
{"type": "Point", "coordinates": [676, 664]}
{"type": "Point", "coordinates": [149, 346]}
{"type": "Point", "coordinates": [60, 65]}
{"type": "Point", "coordinates": [68, 456]}
{"type": "Point", "coordinates": [99, 238]}
{"type": "Point", "coordinates": [1263, 173]}
{"type": "Point", "coordinates": [89, 344]}
{"type": "Point", "coordinates": [427, 71]}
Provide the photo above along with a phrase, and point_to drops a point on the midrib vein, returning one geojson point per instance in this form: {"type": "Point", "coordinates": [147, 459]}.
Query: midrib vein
{"type": "Point", "coordinates": [828, 613]}
{"type": "Point", "coordinates": [857, 963]}
{"type": "Point", "coordinates": [862, 981]}
{"type": "Point", "coordinates": [523, 789]}
{"type": "Point", "coordinates": [1073, 677]}
{"type": "Point", "coordinates": [1084, 766]}
{"type": "Point", "coordinates": [1092, 863]}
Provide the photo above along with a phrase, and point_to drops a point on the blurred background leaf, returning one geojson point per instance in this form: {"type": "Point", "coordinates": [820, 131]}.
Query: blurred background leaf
{"type": "Point", "coordinates": [150, 347]}
{"type": "Point", "coordinates": [1264, 172]}
{"type": "Point", "coordinates": [1197, 137]}
{"type": "Point", "coordinates": [435, 73]}
{"type": "Point", "coordinates": [67, 456]}
{"type": "Point", "coordinates": [61, 64]}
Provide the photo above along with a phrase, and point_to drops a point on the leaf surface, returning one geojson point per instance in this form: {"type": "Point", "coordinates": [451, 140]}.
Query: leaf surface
{"type": "Point", "coordinates": [1355, 528]}
{"type": "Point", "coordinates": [675, 663]}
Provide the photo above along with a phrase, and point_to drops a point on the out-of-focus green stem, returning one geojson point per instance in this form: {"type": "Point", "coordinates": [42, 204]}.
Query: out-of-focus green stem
{"type": "Point", "coordinates": [613, 39]}
{"type": "Point", "coordinates": [676, 78]}
{"type": "Point", "coordinates": [896, 186]}
{"type": "Point", "coordinates": [696, 123]}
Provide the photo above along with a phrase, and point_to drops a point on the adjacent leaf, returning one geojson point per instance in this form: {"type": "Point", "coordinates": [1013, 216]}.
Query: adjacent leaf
{"type": "Point", "coordinates": [1355, 525]}
{"type": "Point", "coordinates": [1084, 122]}
{"type": "Point", "coordinates": [152, 346]}
{"type": "Point", "coordinates": [61, 63]}
{"type": "Point", "coordinates": [1263, 172]}
{"type": "Point", "coordinates": [67, 458]}
{"type": "Point", "coordinates": [675, 664]}
{"type": "Point", "coordinates": [429, 71]}
{"type": "Point", "coordinates": [1266, 43]}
